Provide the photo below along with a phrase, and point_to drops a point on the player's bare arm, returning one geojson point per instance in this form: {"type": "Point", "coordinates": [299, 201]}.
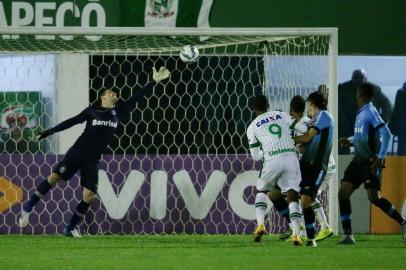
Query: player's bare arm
{"type": "Point", "coordinates": [307, 137]}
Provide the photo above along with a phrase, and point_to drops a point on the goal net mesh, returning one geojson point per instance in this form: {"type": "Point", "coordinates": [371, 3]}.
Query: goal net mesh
{"type": "Point", "coordinates": [181, 163]}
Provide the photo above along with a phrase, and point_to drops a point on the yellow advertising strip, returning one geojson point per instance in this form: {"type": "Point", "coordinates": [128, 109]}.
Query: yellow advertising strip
{"type": "Point", "coordinates": [393, 189]}
{"type": "Point", "coordinates": [11, 194]}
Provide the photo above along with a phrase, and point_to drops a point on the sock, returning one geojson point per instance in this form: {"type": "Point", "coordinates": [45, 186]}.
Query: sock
{"type": "Point", "coordinates": [389, 209]}
{"type": "Point", "coordinates": [295, 217]}
{"type": "Point", "coordinates": [345, 215]}
{"type": "Point", "coordinates": [320, 215]}
{"type": "Point", "coordinates": [41, 190]}
{"type": "Point", "coordinates": [81, 210]}
{"type": "Point", "coordinates": [281, 205]}
{"type": "Point", "coordinates": [260, 207]}
{"type": "Point", "coordinates": [309, 222]}
{"type": "Point", "coordinates": [302, 226]}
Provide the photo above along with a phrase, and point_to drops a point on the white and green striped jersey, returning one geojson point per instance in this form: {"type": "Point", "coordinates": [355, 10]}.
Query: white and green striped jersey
{"type": "Point", "coordinates": [304, 121]}
{"type": "Point", "coordinates": [271, 132]}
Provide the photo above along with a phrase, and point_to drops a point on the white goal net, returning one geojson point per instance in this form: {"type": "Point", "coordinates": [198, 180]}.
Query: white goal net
{"type": "Point", "coordinates": [181, 163]}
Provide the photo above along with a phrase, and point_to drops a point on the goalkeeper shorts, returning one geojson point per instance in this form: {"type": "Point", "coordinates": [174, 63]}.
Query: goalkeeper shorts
{"type": "Point", "coordinates": [74, 161]}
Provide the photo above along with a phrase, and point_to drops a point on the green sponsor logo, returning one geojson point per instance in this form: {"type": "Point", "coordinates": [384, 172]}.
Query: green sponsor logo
{"type": "Point", "coordinates": [276, 130]}
{"type": "Point", "coordinates": [18, 122]}
{"type": "Point", "coordinates": [282, 151]}
{"type": "Point", "coordinates": [20, 119]}
{"type": "Point", "coordinates": [161, 8]}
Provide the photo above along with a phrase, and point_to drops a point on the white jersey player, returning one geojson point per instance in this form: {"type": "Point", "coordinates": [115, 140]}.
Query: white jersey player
{"type": "Point", "coordinates": [331, 170]}
{"type": "Point", "coordinates": [271, 132]}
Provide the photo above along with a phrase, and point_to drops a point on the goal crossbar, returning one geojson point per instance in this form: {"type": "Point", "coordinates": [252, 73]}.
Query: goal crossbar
{"type": "Point", "coordinates": [179, 31]}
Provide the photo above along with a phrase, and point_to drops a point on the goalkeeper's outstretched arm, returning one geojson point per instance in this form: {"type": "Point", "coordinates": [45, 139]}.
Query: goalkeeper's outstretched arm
{"type": "Point", "coordinates": [129, 105]}
{"type": "Point", "coordinates": [80, 118]}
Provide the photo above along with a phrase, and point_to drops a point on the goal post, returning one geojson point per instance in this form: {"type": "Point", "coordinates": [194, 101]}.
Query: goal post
{"type": "Point", "coordinates": [181, 164]}
{"type": "Point", "coordinates": [333, 213]}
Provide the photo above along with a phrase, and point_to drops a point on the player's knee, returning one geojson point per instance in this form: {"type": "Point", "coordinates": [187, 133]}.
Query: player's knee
{"type": "Point", "coordinates": [292, 195]}
{"type": "Point", "coordinates": [375, 202]}
{"type": "Point", "coordinates": [88, 196]}
{"type": "Point", "coordinates": [274, 194]}
{"type": "Point", "coordinates": [374, 198]}
{"type": "Point", "coordinates": [345, 191]}
{"type": "Point", "coordinates": [54, 178]}
{"type": "Point", "coordinates": [306, 201]}
{"type": "Point", "coordinates": [307, 195]}
{"type": "Point", "coordinates": [343, 194]}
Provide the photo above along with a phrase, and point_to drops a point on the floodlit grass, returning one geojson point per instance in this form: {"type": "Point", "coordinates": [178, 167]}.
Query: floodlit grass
{"type": "Point", "coordinates": [197, 252]}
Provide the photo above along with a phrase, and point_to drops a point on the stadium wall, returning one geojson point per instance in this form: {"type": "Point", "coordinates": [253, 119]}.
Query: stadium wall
{"type": "Point", "coordinates": [72, 95]}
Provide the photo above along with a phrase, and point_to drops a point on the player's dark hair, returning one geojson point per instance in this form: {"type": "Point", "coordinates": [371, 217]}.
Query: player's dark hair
{"type": "Point", "coordinates": [367, 90]}
{"type": "Point", "coordinates": [101, 93]}
{"type": "Point", "coordinates": [297, 104]}
{"type": "Point", "coordinates": [318, 100]}
{"type": "Point", "coordinates": [258, 103]}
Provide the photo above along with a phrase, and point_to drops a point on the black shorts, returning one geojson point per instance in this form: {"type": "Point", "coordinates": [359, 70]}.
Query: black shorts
{"type": "Point", "coordinates": [74, 161]}
{"type": "Point", "coordinates": [359, 172]}
{"type": "Point", "coordinates": [312, 177]}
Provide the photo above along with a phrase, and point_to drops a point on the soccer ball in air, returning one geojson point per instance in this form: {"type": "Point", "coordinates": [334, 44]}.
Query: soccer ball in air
{"type": "Point", "coordinates": [189, 54]}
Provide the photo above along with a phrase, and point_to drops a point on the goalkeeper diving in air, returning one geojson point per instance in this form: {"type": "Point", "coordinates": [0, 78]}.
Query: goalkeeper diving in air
{"type": "Point", "coordinates": [84, 156]}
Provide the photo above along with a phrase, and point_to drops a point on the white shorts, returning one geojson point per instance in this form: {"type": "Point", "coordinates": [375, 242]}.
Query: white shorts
{"type": "Point", "coordinates": [329, 177]}
{"type": "Point", "coordinates": [281, 171]}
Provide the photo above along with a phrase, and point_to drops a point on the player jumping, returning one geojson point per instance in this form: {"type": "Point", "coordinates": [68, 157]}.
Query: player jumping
{"type": "Point", "coordinates": [101, 123]}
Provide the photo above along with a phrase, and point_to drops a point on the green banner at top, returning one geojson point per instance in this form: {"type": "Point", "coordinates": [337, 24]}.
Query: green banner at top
{"type": "Point", "coordinates": [172, 13]}
{"type": "Point", "coordinates": [100, 13]}
{"type": "Point", "coordinates": [357, 35]}
{"type": "Point", "coordinates": [59, 13]}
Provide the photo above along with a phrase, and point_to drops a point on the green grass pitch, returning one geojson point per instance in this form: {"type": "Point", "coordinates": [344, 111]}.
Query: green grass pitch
{"type": "Point", "coordinates": [194, 252]}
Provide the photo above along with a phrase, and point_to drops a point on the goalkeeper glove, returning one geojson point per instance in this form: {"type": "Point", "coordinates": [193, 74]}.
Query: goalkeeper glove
{"type": "Point", "coordinates": [160, 75]}
{"type": "Point", "coordinates": [43, 134]}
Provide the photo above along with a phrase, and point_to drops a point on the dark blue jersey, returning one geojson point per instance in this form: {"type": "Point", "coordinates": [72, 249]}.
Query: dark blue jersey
{"type": "Point", "coordinates": [318, 150]}
{"type": "Point", "coordinates": [367, 139]}
{"type": "Point", "coordinates": [101, 123]}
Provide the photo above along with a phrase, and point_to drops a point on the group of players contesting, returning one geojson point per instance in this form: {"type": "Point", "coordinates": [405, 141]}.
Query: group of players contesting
{"type": "Point", "coordinates": [294, 149]}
